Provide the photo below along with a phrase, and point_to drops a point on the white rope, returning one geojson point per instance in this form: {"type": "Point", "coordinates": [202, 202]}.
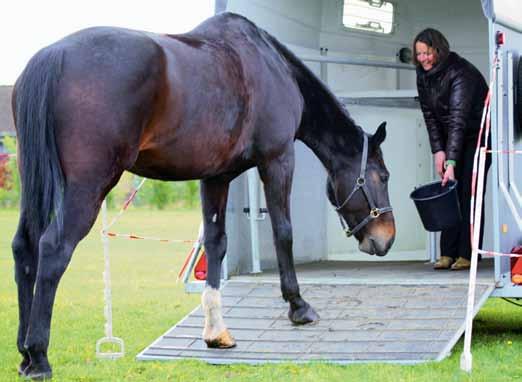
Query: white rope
{"type": "Point", "coordinates": [109, 338]}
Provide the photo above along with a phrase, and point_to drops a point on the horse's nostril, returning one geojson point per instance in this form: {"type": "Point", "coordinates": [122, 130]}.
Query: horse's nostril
{"type": "Point", "coordinates": [372, 247]}
{"type": "Point", "coordinates": [378, 247]}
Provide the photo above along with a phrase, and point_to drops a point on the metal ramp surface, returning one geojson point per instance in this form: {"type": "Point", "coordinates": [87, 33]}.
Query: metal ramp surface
{"type": "Point", "coordinates": [359, 323]}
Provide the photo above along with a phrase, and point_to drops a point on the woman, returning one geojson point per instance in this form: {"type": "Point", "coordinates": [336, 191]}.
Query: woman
{"type": "Point", "coordinates": [451, 94]}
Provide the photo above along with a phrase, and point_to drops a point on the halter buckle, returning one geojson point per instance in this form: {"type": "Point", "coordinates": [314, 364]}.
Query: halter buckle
{"type": "Point", "coordinates": [360, 181]}
{"type": "Point", "coordinates": [375, 213]}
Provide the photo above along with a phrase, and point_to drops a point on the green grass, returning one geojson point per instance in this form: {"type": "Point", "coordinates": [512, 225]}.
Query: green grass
{"type": "Point", "coordinates": [147, 301]}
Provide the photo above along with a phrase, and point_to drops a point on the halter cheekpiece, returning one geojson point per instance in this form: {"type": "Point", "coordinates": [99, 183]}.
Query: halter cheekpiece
{"type": "Point", "coordinates": [360, 183]}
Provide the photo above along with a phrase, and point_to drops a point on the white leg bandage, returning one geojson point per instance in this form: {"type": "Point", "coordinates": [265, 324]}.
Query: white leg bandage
{"type": "Point", "coordinates": [211, 304]}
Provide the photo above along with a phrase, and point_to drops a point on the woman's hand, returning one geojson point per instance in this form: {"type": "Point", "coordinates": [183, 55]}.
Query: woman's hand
{"type": "Point", "coordinates": [449, 174]}
{"type": "Point", "coordinates": [439, 157]}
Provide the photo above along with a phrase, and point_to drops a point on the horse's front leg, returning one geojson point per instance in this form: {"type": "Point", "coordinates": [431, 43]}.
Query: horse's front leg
{"type": "Point", "coordinates": [277, 179]}
{"type": "Point", "coordinates": [214, 194]}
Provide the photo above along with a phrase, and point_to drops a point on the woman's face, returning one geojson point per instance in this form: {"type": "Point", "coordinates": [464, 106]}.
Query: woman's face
{"type": "Point", "coordinates": [426, 55]}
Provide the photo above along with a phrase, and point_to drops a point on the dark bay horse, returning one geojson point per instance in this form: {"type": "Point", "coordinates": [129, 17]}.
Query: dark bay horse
{"type": "Point", "coordinates": [206, 105]}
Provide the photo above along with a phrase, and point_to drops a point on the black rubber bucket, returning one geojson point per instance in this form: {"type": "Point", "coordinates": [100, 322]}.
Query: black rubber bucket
{"type": "Point", "coordinates": [438, 206]}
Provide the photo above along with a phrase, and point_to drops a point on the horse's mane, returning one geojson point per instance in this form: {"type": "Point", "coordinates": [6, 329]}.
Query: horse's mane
{"type": "Point", "coordinates": [322, 108]}
{"type": "Point", "coordinates": [325, 123]}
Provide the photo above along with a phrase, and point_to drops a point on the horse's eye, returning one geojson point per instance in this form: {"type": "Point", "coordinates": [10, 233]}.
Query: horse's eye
{"type": "Point", "coordinates": [385, 178]}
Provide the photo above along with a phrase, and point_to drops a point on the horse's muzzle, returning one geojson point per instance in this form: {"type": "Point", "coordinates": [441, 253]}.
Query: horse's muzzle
{"type": "Point", "coordinates": [378, 239]}
{"type": "Point", "coordinates": [375, 247]}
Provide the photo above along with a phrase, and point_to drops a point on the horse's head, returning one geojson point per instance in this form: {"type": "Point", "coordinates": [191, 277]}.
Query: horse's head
{"type": "Point", "coordinates": [359, 192]}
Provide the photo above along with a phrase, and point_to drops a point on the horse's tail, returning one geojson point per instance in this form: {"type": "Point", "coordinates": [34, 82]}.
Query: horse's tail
{"type": "Point", "coordinates": [41, 174]}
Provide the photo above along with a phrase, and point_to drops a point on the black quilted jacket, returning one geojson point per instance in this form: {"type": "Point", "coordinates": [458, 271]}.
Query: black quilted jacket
{"type": "Point", "coordinates": [451, 96]}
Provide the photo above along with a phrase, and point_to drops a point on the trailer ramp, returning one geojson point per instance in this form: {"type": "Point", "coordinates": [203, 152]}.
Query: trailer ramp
{"type": "Point", "coordinates": [359, 323]}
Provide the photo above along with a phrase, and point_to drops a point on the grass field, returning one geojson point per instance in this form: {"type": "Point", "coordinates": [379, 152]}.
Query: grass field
{"type": "Point", "coordinates": [147, 301]}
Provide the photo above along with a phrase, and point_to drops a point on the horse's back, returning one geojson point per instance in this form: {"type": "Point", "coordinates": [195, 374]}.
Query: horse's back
{"type": "Point", "coordinates": [229, 83]}
{"type": "Point", "coordinates": [261, 62]}
{"type": "Point", "coordinates": [150, 101]}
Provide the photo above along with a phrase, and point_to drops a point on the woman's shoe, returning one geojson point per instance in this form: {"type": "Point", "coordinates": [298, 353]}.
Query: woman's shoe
{"type": "Point", "coordinates": [443, 263]}
{"type": "Point", "coordinates": [461, 264]}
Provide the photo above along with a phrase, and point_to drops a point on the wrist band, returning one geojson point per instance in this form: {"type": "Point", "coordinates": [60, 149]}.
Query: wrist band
{"type": "Point", "coordinates": [450, 162]}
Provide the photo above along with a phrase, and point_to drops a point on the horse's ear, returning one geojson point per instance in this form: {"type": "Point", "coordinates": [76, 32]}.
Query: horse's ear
{"type": "Point", "coordinates": [379, 135]}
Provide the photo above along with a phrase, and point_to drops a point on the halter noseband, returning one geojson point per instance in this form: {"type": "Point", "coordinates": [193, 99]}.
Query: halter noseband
{"type": "Point", "coordinates": [360, 183]}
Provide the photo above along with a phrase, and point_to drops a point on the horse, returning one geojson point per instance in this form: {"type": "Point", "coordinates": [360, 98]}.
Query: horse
{"type": "Point", "coordinates": [208, 104]}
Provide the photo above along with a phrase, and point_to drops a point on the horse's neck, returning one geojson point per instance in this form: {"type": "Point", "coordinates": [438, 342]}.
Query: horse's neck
{"type": "Point", "coordinates": [328, 130]}
{"type": "Point", "coordinates": [325, 126]}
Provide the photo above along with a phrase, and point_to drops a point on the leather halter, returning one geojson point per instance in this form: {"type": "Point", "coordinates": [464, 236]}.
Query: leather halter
{"type": "Point", "coordinates": [360, 183]}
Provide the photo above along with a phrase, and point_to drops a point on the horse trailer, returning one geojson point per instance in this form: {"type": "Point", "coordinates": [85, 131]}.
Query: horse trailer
{"type": "Point", "coordinates": [373, 309]}
{"type": "Point", "coordinates": [366, 64]}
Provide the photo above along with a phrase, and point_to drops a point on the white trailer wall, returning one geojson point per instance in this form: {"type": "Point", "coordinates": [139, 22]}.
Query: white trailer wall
{"type": "Point", "coordinates": [296, 22]}
{"type": "Point", "coordinates": [507, 137]}
{"type": "Point", "coordinates": [307, 25]}
{"type": "Point", "coordinates": [462, 22]}
{"type": "Point", "coordinates": [406, 150]}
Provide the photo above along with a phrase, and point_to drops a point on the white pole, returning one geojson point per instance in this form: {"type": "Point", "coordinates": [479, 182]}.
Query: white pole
{"type": "Point", "coordinates": [432, 236]}
{"type": "Point", "coordinates": [254, 211]}
{"type": "Point", "coordinates": [196, 248]}
{"type": "Point", "coordinates": [108, 298]}
{"type": "Point", "coordinates": [107, 274]}
{"type": "Point", "coordinates": [466, 359]}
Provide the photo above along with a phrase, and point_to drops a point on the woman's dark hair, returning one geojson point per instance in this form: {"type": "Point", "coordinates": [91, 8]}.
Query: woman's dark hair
{"type": "Point", "coordinates": [434, 39]}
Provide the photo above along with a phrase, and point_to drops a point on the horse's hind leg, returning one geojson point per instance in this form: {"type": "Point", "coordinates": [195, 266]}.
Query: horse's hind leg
{"type": "Point", "coordinates": [214, 194]}
{"type": "Point", "coordinates": [26, 263]}
{"type": "Point", "coordinates": [277, 179]}
{"type": "Point", "coordinates": [81, 205]}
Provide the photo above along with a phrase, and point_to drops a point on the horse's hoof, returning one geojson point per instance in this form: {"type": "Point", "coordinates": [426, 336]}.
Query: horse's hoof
{"type": "Point", "coordinates": [23, 367]}
{"type": "Point", "coordinates": [42, 376]}
{"type": "Point", "coordinates": [223, 341]}
{"type": "Point", "coordinates": [21, 371]}
{"type": "Point", "coordinates": [36, 374]}
{"type": "Point", "coordinates": [303, 315]}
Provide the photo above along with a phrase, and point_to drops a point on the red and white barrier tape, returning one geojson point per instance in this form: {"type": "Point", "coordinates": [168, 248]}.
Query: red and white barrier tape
{"type": "Point", "coordinates": [126, 204]}
{"type": "Point", "coordinates": [138, 237]}
{"type": "Point", "coordinates": [475, 215]}
{"type": "Point", "coordinates": [476, 200]}
{"type": "Point", "coordinates": [504, 151]}
{"type": "Point", "coordinates": [477, 191]}
{"type": "Point", "coordinates": [497, 254]}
